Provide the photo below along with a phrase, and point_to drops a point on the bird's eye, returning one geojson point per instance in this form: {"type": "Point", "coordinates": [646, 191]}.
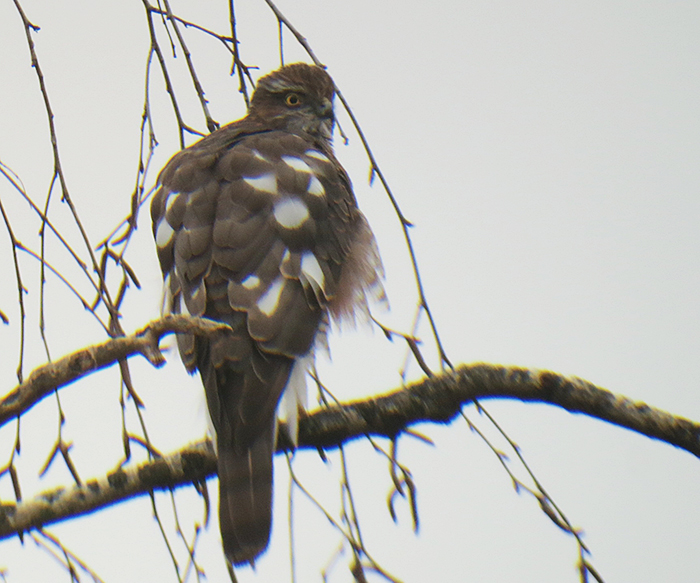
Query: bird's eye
{"type": "Point", "coordinates": [292, 99]}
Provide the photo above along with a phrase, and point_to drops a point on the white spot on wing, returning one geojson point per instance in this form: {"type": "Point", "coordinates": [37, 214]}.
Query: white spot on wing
{"type": "Point", "coordinates": [316, 154]}
{"type": "Point", "coordinates": [183, 306]}
{"type": "Point", "coordinates": [297, 163]}
{"type": "Point", "coordinates": [164, 233]}
{"type": "Point", "coordinates": [172, 197]}
{"type": "Point", "coordinates": [315, 187]}
{"type": "Point", "coordinates": [258, 155]}
{"type": "Point", "coordinates": [269, 301]}
{"type": "Point", "coordinates": [291, 213]}
{"type": "Point", "coordinates": [311, 271]}
{"type": "Point", "coordinates": [251, 282]}
{"type": "Point", "coordinates": [264, 183]}
{"type": "Point", "coordinates": [198, 292]}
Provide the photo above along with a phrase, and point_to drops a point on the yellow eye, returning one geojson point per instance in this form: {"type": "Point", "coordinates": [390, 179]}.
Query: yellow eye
{"type": "Point", "coordinates": [292, 99]}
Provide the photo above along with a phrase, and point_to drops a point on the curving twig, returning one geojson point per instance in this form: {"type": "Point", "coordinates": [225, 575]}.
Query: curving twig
{"type": "Point", "coordinates": [59, 176]}
{"type": "Point", "coordinates": [374, 171]}
{"type": "Point", "coordinates": [212, 124]}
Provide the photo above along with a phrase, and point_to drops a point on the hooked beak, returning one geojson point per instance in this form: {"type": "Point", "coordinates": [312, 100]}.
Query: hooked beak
{"type": "Point", "coordinates": [325, 113]}
{"type": "Point", "coordinates": [325, 109]}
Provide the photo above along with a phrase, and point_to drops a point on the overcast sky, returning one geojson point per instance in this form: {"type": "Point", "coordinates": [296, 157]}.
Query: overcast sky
{"type": "Point", "coordinates": [547, 154]}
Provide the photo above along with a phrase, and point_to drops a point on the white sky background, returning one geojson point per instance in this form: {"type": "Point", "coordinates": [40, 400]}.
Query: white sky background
{"type": "Point", "coordinates": [547, 153]}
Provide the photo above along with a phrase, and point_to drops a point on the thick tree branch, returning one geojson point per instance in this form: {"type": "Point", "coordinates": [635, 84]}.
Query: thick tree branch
{"type": "Point", "coordinates": [191, 464]}
{"type": "Point", "coordinates": [68, 369]}
{"type": "Point", "coordinates": [440, 399]}
{"type": "Point", "coordinates": [436, 399]}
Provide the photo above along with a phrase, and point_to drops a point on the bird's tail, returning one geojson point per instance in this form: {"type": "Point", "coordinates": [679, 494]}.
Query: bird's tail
{"type": "Point", "coordinates": [245, 496]}
{"type": "Point", "coordinates": [243, 387]}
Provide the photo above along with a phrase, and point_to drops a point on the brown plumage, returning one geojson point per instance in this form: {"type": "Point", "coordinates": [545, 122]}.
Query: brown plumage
{"type": "Point", "coordinates": [256, 225]}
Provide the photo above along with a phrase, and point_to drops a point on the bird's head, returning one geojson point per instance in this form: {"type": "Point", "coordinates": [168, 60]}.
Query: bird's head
{"type": "Point", "coordinates": [299, 98]}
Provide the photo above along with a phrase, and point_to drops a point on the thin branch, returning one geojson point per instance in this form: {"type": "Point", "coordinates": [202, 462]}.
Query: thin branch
{"type": "Point", "coordinates": [63, 280]}
{"type": "Point", "coordinates": [164, 536]}
{"type": "Point", "coordinates": [137, 197]}
{"type": "Point", "coordinates": [546, 503]}
{"type": "Point", "coordinates": [348, 536]}
{"type": "Point", "coordinates": [405, 226]}
{"type": "Point", "coordinates": [68, 557]}
{"type": "Point", "coordinates": [16, 183]}
{"type": "Point", "coordinates": [238, 65]}
{"type": "Point", "coordinates": [68, 369]}
{"type": "Point", "coordinates": [21, 290]}
{"type": "Point", "coordinates": [225, 40]}
{"type": "Point", "coordinates": [300, 39]}
{"type": "Point", "coordinates": [212, 124]}
{"type": "Point", "coordinates": [413, 346]}
{"type": "Point", "coordinates": [374, 170]}
{"type": "Point", "coordinates": [58, 170]}
{"type": "Point", "coordinates": [155, 48]}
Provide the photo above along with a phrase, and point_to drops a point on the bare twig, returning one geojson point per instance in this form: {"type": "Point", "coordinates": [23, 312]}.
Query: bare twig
{"type": "Point", "coordinates": [374, 170]}
{"type": "Point", "coordinates": [297, 35]}
{"type": "Point", "coordinates": [155, 48]}
{"type": "Point", "coordinates": [137, 197]}
{"type": "Point", "coordinates": [225, 40]}
{"type": "Point", "coordinates": [238, 65]}
{"type": "Point", "coordinates": [68, 557]}
{"type": "Point", "coordinates": [211, 123]}
{"type": "Point", "coordinates": [348, 536]}
{"type": "Point", "coordinates": [63, 280]}
{"type": "Point", "coordinates": [21, 290]}
{"type": "Point", "coordinates": [546, 503]}
{"type": "Point", "coordinates": [413, 346]}
{"type": "Point", "coordinates": [164, 536]}
{"type": "Point", "coordinates": [58, 172]}
{"type": "Point", "coordinates": [16, 183]}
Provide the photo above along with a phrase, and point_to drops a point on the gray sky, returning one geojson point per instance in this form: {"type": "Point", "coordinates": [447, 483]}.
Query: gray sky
{"type": "Point", "coordinates": [547, 154]}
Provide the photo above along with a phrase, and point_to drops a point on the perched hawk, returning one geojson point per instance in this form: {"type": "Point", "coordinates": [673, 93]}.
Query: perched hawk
{"type": "Point", "coordinates": [257, 226]}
